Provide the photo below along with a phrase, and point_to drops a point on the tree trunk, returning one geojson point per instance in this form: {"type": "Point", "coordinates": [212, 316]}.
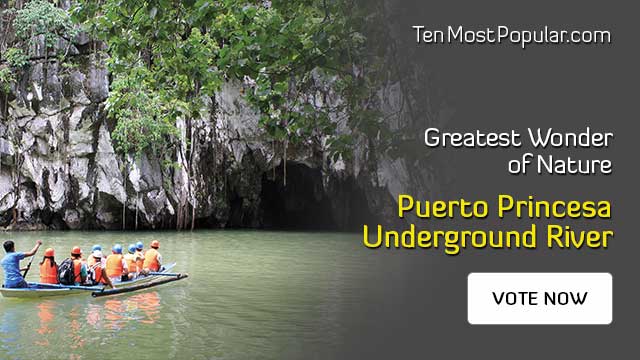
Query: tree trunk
{"type": "Point", "coordinates": [5, 117]}
{"type": "Point", "coordinates": [193, 215]}
{"type": "Point", "coordinates": [284, 162]}
{"type": "Point", "coordinates": [16, 190]}
{"type": "Point", "coordinates": [137, 200]}
{"type": "Point", "coordinates": [191, 185]}
{"type": "Point", "coordinates": [183, 206]}
{"type": "Point", "coordinates": [124, 202]}
{"type": "Point", "coordinates": [179, 215]}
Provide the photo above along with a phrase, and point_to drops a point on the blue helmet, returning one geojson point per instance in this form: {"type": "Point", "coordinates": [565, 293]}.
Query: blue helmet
{"type": "Point", "coordinates": [139, 245]}
{"type": "Point", "coordinates": [117, 249]}
{"type": "Point", "coordinates": [132, 248]}
{"type": "Point", "coordinates": [96, 247]}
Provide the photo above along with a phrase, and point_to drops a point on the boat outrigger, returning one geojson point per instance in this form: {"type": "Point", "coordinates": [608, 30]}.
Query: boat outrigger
{"type": "Point", "coordinates": [37, 290]}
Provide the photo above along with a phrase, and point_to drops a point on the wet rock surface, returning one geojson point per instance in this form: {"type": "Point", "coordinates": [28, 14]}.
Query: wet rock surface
{"type": "Point", "coordinates": [59, 169]}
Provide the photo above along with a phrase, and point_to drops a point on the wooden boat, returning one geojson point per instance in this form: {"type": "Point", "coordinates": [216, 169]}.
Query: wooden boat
{"type": "Point", "coordinates": [38, 290]}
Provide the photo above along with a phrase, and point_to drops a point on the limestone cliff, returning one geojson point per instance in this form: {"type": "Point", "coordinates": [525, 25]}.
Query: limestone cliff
{"type": "Point", "coordinates": [59, 169]}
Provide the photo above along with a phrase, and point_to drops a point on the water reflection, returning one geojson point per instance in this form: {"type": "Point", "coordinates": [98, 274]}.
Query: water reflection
{"type": "Point", "coordinates": [118, 312]}
{"type": "Point", "coordinates": [93, 315]}
{"type": "Point", "coordinates": [46, 316]}
{"type": "Point", "coordinates": [149, 305]}
{"type": "Point", "coordinates": [113, 320]}
{"type": "Point", "coordinates": [75, 321]}
{"type": "Point", "coordinates": [75, 326]}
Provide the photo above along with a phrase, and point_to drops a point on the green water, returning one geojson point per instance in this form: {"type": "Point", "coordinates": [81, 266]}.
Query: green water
{"type": "Point", "coordinates": [250, 294]}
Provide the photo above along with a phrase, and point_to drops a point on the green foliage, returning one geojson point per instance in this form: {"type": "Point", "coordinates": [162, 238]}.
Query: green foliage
{"type": "Point", "coordinates": [284, 52]}
{"type": "Point", "coordinates": [300, 62]}
{"type": "Point", "coordinates": [16, 58]}
{"type": "Point", "coordinates": [68, 65]}
{"type": "Point", "coordinates": [40, 17]}
{"type": "Point", "coordinates": [7, 77]}
{"type": "Point", "coordinates": [142, 123]}
{"type": "Point", "coordinates": [288, 55]}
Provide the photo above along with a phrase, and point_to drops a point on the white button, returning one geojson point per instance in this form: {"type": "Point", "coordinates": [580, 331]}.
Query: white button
{"type": "Point", "coordinates": [539, 298]}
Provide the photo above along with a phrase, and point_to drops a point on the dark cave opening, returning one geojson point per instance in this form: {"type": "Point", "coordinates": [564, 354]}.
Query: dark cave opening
{"type": "Point", "coordinates": [52, 219]}
{"type": "Point", "coordinates": [305, 204]}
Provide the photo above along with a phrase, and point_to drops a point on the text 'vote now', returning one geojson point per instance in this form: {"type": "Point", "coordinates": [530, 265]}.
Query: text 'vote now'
{"type": "Point", "coordinates": [537, 298]}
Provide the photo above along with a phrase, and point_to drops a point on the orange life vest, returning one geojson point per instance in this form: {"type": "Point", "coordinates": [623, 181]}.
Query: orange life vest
{"type": "Point", "coordinates": [151, 260]}
{"type": "Point", "coordinates": [114, 265]}
{"type": "Point", "coordinates": [139, 259]}
{"type": "Point", "coordinates": [77, 270]}
{"type": "Point", "coordinates": [132, 266]}
{"type": "Point", "coordinates": [48, 273]}
{"type": "Point", "coordinates": [98, 276]}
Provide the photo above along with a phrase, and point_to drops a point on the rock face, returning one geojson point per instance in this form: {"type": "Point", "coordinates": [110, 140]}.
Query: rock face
{"type": "Point", "coordinates": [59, 169]}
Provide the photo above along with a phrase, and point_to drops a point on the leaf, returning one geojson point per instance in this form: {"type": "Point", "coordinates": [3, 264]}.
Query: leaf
{"type": "Point", "coordinates": [203, 6]}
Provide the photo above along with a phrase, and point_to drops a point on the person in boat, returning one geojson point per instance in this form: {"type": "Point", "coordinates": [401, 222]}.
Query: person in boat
{"type": "Point", "coordinates": [131, 259]}
{"type": "Point", "coordinates": [49, 268]}
{"type": "Point", "coordinates": [79, 265]}
{"type": "Point", "coordinates": [152, 258]}
{"type": "Point", "coordinates": [140, 255]}
{"type": "Point", "coordinates": [11, 264]}
{"type": "Point", "coordinates": [97, 274]}
{"type": "Point", "coordinates": [92, 260]}
{"type": "Point", "coordinates": [116, 266]}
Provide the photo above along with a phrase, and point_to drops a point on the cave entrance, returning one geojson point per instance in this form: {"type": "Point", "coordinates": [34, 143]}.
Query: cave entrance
{"type": "Point", "coordinates": [305, 204]}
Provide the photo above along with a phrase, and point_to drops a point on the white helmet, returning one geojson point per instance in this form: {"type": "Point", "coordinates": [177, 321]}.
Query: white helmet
{"type": "Point", "coordinates": [97, 254]}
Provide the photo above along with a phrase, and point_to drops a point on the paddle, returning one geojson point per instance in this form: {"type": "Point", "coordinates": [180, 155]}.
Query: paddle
{"type": "Point", "coordinates": [164, 274]}
{"type": "Point", "coordinates": [29, 265]}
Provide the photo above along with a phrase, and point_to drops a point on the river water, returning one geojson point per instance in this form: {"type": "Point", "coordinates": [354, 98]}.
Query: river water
{"type": "Point", "coordinates": [250, 294]}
